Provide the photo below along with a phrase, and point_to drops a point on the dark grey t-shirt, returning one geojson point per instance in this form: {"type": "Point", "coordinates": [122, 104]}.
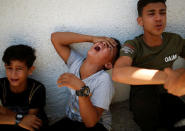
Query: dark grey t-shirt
{"type": "Point", "coordinates": [158, 57]}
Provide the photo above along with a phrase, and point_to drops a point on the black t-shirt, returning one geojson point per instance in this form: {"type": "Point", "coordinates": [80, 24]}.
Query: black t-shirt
{"type": "Point", "coordinates": [33, 97]}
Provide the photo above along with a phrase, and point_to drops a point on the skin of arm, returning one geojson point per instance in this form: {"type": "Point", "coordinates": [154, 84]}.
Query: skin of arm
{"type": "Point", "coordinates": [62, 41]}
{"type": "Point", "coordinates": [7, 116]}
{"type": "Point", "coordinates": [123, 72]}
{"type": "Point", "coordinates": [175, 83]}
{"type": "Point", "coordinates": [89, 113]}
{"type": "Point", "coordinates": [30, 121]}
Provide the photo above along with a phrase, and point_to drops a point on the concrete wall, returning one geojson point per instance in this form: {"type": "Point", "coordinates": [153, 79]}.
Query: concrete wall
{"type": "Point", "coordinates": [32, 21]}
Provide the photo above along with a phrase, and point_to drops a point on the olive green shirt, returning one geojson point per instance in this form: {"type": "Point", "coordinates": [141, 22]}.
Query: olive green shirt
{"type": "Point", "coordinates": [158, 57]}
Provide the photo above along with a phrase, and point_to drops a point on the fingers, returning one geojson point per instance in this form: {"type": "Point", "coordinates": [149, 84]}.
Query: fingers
{"type": "Point", "coordinates": [106, 40]}
{"type": "Point", "coordinates": [64, 77]}
{"type": "Point", "coordinates": [37, 124]}
{"type": "Point", "coordinates": [111, 43]}
{"type": "Point", "coordinates": [31, 122]}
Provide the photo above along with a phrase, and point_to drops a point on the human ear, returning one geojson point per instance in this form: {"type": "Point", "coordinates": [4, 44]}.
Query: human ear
{"type": "Point", "coordinates": [140, 21]}
{"type": "Point", "coordinates": [108, 65]}
{"type": "Point", "coordinates": [31, 69]}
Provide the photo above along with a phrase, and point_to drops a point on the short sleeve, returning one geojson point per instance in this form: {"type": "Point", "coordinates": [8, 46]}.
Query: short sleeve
{"type": "Point", "coordinates": [38, 99]}
{"type": "Point", "coordinates": [128, 49]}
{"type": "Point", "coordinates": [73, 57]}
{"type": "Point", "coordinates": [103, 94]}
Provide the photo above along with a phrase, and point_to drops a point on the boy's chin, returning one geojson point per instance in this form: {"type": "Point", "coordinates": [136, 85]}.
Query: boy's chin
{"type": "Point", "coordinates": [14, 84]}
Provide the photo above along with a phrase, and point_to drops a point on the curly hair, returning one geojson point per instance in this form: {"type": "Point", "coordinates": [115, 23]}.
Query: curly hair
{"type": "Point", "coordinates": [19, 52]}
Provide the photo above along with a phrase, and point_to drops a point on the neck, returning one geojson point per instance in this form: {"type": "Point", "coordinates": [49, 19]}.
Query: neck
{"type": "Point", "coordinates": [87, 69]}
{"type": "Point", "coordinates": [18, 89]}
{"type": "Point", "coordinates": [152, 40]}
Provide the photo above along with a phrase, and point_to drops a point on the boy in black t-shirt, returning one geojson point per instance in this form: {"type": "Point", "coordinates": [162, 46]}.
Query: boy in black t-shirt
{"type": "Point", "coordinates": [23, 99]}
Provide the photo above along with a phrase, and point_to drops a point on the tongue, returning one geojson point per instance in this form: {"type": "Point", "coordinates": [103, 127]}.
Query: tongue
{"type": "Point", "coordinates": [97, 48]}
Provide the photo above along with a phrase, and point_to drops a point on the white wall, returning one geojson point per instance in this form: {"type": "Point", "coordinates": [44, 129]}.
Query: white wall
{"type": "Point", "coordinates": [32, 21]}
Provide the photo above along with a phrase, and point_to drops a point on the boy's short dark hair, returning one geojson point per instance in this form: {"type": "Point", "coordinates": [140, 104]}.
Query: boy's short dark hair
{"type": "Point", "coordinates": [19, 52]}
{"type": "Point", "coordinates": [142, 3]}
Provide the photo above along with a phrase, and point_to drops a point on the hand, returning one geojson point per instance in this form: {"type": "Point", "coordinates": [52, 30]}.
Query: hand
{"type": "Point", "coordinates": [106, 40]}
{"type": "Point", "coordinates": [71, 81]}
{"type": "Point", "coordinates": [30, 122]}
{"type": "Point", "coordinates": [172, 84]}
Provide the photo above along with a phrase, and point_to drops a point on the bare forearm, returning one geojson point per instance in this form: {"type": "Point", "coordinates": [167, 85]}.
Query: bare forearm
{"type": "Point", "coordinates": [138, 76]}
{"type": "Point", "coordinates": [88, 112]}
{"type": "Point", "coordinates": [7, 116]}
{"type": "Point", "coordinates": [66, 38]}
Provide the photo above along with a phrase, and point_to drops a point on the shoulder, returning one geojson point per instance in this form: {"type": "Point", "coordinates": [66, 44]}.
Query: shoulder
{"type": "Point", "coordinates": [134, 43]}
{"type": "Point", "coordinates": [170, 35]}
{"type": "Point", "coordinates": [131, 47]}
{"type": "Point", "coordinates": [104, 79]}
{"type": "Point", "coordinates": [4, 84]}
{"type": "Point", "coordinates": [35, 85]}
{"type": "Point", "coordinates": [104, 76]}
{"type": "Point", "coordinates": [136, 40]}
{"type": "Point", "coordinates": [74, 58]}
{"type": "Point", "coordinates": [3, 81]}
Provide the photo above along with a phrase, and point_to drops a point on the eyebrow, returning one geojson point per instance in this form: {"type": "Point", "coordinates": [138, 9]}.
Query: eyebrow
{"type": "Point", "coordinates": [162, 10]}
{"type": "Point", "coordinates": [19, 67]}
{"type": "Point", "coordinates": [16, 66]}
{"type": "Point", "coordinates": [153, 10]}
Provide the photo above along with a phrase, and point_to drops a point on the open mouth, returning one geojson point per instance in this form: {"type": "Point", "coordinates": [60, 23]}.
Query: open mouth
{"type": "Point", "coordinates": [14, 80]}
{"type": "Point", "coordinates": [97, 48]}
{"type": "Point", "coordinates": [159, 26]}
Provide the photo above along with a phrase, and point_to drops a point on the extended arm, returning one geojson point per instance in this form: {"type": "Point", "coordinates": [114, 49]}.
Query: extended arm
{"type": "Point", "coordinates": [123, 72]}
{"type": "Point", "coordinates": [62, 40]}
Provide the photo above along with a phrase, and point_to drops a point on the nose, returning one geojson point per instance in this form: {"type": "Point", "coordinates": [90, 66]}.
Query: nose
{"type": "Point", "coordinates": [158, 17]}
{"type": "Point", "coordinates": [14, 73]}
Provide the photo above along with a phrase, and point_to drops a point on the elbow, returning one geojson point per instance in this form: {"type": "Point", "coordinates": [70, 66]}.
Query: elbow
{"type": "Point", "coordinates": [53, 37]}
